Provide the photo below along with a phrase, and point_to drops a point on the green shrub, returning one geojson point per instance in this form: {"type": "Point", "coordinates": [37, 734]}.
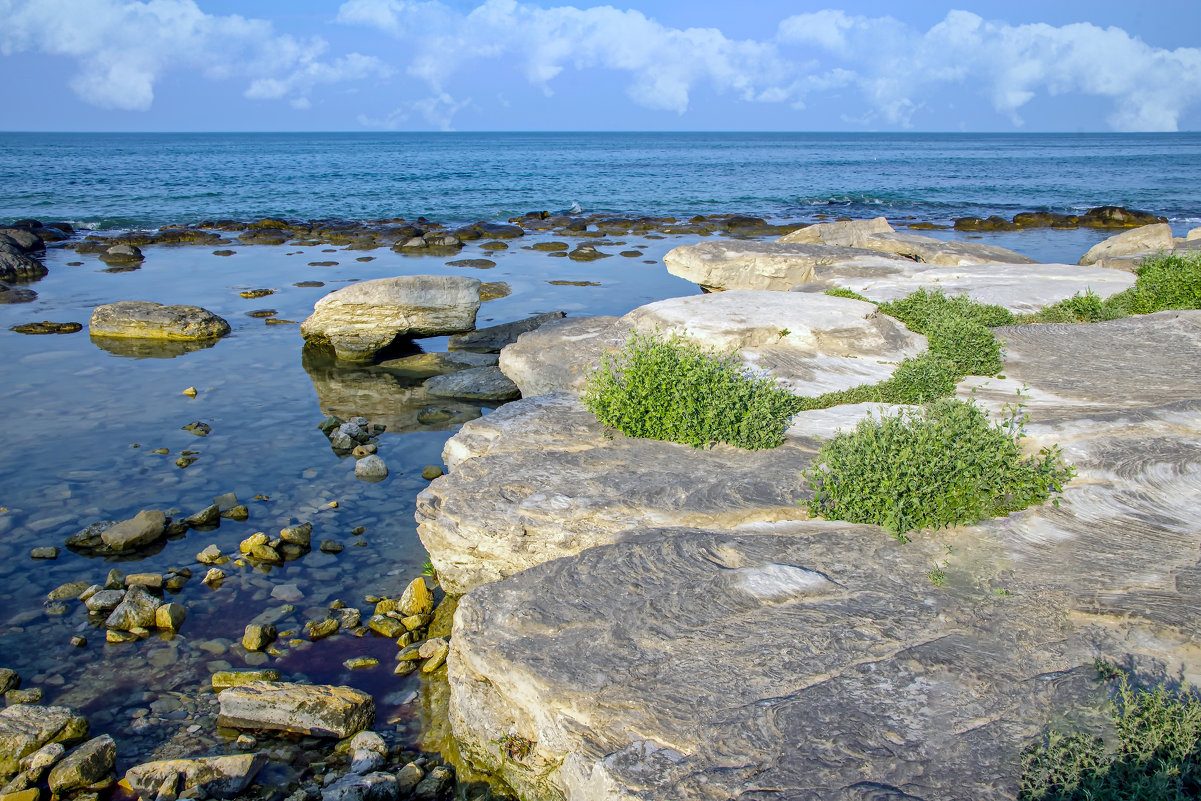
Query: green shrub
{"type": "Point", "coordinates": [943, 465]}
{"type": "Point", "coordinates": [673, 389]}
{"type": "Point", "coordinates": [1157, 756]}
{"type": "Point", "coordinates": [970, 346]}
{"type": "Point", "coordinates": [921, 308]}
{"type": "Point", "coordinates": [922, 379]}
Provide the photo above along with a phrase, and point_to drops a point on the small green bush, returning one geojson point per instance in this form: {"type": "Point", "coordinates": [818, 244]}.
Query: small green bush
{"type": "Point", "coordinates": [970, 346]}
{"type": "Point", "coordinates": [1165, 281]}
{"type": "Point", "coordinates": [1157, 755]}
{"type": "Point", "coordinates": [673, 389]}
{"type": "Point", "coordinates": [943, 465]}
{"type": "Point", "coordinates": [921, 308]}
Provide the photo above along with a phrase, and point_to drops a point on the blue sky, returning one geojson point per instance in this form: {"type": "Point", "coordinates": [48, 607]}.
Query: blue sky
{"type": "Point", "coordinates": [346, 65]}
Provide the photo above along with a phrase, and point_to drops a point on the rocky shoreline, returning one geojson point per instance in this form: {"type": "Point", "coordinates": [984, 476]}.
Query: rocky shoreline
{"type": "Point", "coordinates": [538, 499]}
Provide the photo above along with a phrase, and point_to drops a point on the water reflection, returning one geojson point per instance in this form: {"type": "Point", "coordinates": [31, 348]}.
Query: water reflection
{"type": "Point", "coordinates": [137, 348]}
{"type": "Point", "coordinates": [392, 397]}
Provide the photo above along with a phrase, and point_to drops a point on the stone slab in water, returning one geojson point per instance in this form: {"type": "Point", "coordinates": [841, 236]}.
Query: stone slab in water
{"type": "Point", "coordinates": [738, 264]}
{"type": "Point", "coordinates": [215, 776]}
{"type": "Point", "coordinates": [320, 710]}
{"type": "Point", "coordinates": [141, 319]}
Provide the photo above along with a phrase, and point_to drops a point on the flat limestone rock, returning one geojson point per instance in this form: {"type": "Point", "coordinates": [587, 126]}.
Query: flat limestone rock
{"type": "Point", "coordinates": [478, 383]}
{"type": "Point", "coordinates": [426, 365]}
{"type": "Point", "coordinates": [215, 776]}
{"type": "Point", "coordinates": [876, 234]}
{"type": "Point", "coordinates": [540, 479]}
{"type": "Point", "coordinates": [738, 264]}
{"type": "Point", "coordinates": [1147, 239]}
{"type": "Point", "coordinates": [1017, 287]}
{"type": "Point", "coordinates": [816, 658]}
{"type": "Point", "coordinates": [321, 710]}
{"type": "Point", "coordinates": [809, 343]}
{"type": "Point", "coordinates": [141, 319]}
{"type": "Point", "coordinates": [24, 728]}
{"type": "Point", "coordinates": [363, 318]}
{"type": "Point", "coordinates": [142, 529]}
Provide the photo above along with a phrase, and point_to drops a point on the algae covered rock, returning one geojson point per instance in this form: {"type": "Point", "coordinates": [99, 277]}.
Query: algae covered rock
{"type": "Point", "coordinates": [320, 710]}
{"type": "Point", "coordinates": [142, 319]}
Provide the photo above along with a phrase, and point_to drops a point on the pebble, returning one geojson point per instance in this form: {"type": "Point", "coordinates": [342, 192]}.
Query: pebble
{"type": "Point", "coordinates": [431, 472]}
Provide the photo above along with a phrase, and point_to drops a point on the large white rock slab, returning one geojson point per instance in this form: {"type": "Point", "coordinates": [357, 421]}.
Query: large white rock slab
{"type": "Point", "coordinates": [845, 233]}
{"type": "Point", "coordinates": [816, 659]}
{"type": "Point", "coordinates": [540, 478]}
{"type": "Point", "coordinates": [742, 264]}
{"type": "Point", "coordinates": [876, 234]}
{"type": "Point", "coordinates": [361, 319]}
{"type": "Point", "coordinates": [809, 343]}
{"type": "Point", "coordinates": [1147, 239]}
{"type": "Point", "coordinates": [1021, 288]}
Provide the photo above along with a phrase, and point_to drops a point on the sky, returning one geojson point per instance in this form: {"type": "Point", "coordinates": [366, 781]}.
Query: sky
{"type": "Point", "coordinates": [642, 65]}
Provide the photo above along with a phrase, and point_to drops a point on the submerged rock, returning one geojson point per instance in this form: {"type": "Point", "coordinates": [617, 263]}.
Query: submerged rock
{"type": "Point", "coordinates": [142, 529]}
{"type": "Point", "coordinates": [494, 338]}
{"type": "Point", "coordinates": [19, 267]}
{"type": "Point", "coordinates": [479, 383]}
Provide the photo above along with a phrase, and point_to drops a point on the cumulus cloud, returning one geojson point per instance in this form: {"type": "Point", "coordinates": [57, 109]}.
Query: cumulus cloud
{"type": "Point", "coordinates": [123, 47]}
{"type": "Point", "coordinates": [897, 72]}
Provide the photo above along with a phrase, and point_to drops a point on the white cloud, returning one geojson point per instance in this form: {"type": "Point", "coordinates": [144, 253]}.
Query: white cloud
{"type": "Point", "coordinates": [897, 72]}
{"type": "Point", "coordinates": [123, 47]}
{"type": "Point", "coordinates": [896, 67]}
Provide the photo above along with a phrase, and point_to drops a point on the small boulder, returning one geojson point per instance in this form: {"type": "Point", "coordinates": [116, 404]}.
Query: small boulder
{"type": "Point", "coordinates": [479, 383]}
{"type": "Point", "coordinates": [147, 320]}
{"type": "Point", "coordinates": [214, 776]}
{"type": "Point", "coordinates": [137, 610]}
{"type": "Point", "coordinates": [86, 765]}
{"type": "Point", "coordinates": [371, 468]}
{"type": "Point", "coordinates": [142, 529]}
{"type": "Point", "coordinates": [319, 710]}
{"type": "Point", "coordinates": [122, 254]}
{"type": "Point", "coordinates": [258, 636]}
{"type": "Point", "coordinates": [1147, 239]}
{"type": "Point", "coordinates": [496, 337]}
{"type": "Point", "coordinates": [417, 599]}
{"type": "Point", "coordinates": [24, 728]}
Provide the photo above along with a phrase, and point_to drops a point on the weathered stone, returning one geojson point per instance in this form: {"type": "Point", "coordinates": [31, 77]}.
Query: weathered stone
{"type": "Point", "coordinates": [300, 534]}
{"type": "Point", "coordinates": [44, 552]}
{"type": "Point", "coordinates": [104, 601]}
{"type": "Point", "coordinates": [480, 383]}
{"type": "Point", "coordinates": [371, 468]}
{"type": "Point", "coordinates": [1147, 239]}
{"type": "Point", "coordinates": [878, 235]}
{"type": "Point", "coordinates": [426, 365]}
{"type": "Point", "coordinates": [136, 610]}
{"type": "Point", "coordinates": [324, 628]}
{"type": "Point", "coordinates": [258, 636]}
{"type": "Point", "coordinates": [493, 338]}
{"type": "Point", "coordinates": [363, 318]}
{"type": "Point", "coordinates": [84, 766]}
{"type": "Point", "coordinates": [748, 264]}
{"type": "Point", "coordinates": [47, 327]}
{"type": "Point", "coordinates": [142, 529]}
{"type": "Point", "coordinates": [320, 710]}
{"type": "Point", "coordinates": [45, 757]}
{"type": "Point", "coordinates": [122, 254]}
{"type": "Point", "coordinates": [25, 728]}
{"type": "Point", "coordinates": [70, 590]}
{"type": "Point", "coordinates": [377, 786]}
{"type": "Point", "coordinates": [206, 517]}
{"type": "Point", "coordinates": [416, 599]}
{"type": "Point", "coordinates": [368, 751]}
{"type": "Point", "coordinates": [211, 555]}
{"type": "Point", "coordinates": [386, 626]}
{"type": "Point", "coordinates": [19, 267]}
{"type": "Point", "coordinates": [436, 784]}
{"type": "Point", "coordinates": [224, 679]}
{"type": "Point", "coordinates": [146, 320]}
{"type": "Point", "coordinates": [1020, 288]}
{"type": "Point", "coordinates": [9, 680]}
{"type": "Point", "coordinates": [214, 777]}
{"type": "Point", "coordinates": [152, 581]}
{"type": "Point", "coordinates": [169, 617]}
{"type": "Point", "coordinates": [808, 342]}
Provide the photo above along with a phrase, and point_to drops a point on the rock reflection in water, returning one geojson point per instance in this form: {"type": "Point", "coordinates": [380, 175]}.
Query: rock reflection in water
{"type": "Point", "coordinates": [139, 348]}
{"type": "Point", "coordinates": [381, 395]}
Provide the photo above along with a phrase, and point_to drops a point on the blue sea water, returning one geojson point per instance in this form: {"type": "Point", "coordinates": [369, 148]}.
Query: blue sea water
{"type": "Point", "coordinates": [124, 180]}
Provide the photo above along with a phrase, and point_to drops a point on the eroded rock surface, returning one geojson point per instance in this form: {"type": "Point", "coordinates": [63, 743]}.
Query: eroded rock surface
{"type": "Point", "coordinates": [1147, 239]}
{"type": "Point", "coordinates": [1017, 287]}
{"type": "Point", "coordinates": [738, 264]}
{"type": "Point", "coordinates": [809, 342]}
{"type": "Point", "coordinates": [142, 319]}
{"type": "Point", "coordinates": [361, 319]}
{"type": "Point", "coordinates": [321, 710]}
{"type": "Point", "coordinates": [876, 234]}
{"type": "Point", "coordinates": [813, 659]}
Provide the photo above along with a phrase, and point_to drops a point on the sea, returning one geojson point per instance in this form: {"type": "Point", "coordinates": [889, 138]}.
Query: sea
{"type": "Point", "coordinates": [86, 422]}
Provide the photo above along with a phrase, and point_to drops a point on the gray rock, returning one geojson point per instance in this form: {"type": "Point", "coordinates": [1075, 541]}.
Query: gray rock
{"type": "Point", "coordinates": [68, 591]}
{"type": "Point", "coordinates": [25, 728]}
{"type": "Point", "coordinates": [371, 468]}
{"type": "Point", "coordinates": [371, 787]}
{"type": "Point", "coordinates": [142, 529]}
{"type": "Point", "coordinates": [493, 338]}
{"type": "Point", "coordinates": [146, 320]}
{"type": "Point", "coordinates": [122, 254]}
{"type": "Point", "coordinates": [84, 766]}
{"type": "Point", "coordinates": [424, 365]}
{"type": "Point", "coordinates": [206, 517]}
{"type": "Point", "coordinates": [45, 757]}
{"type": "Point", "coordinates": [479, 383]}
{"type": "Point", "coordinates": [300, 534]}
{"type": "Point", "coordinates": [215, 776]}
{"type": "Point", "coordinates": [878, 235]}
{"type": "Point", "coordinates": [25, 240]}
{"type": "Point", "coordinates": [136, 610]}
{"type": "Point", "coordinates": [748, 264]}
{"type": "Point", "coordinates": [363, 318]}
{"type": "Point", "coordinates": [9, 680]}
{"type": "Point", "coordinates": [10, 294]}
{"type": "Point", "coordinates": [320, 710]}
{"type": "Point", "coordinates": [368, 752]}
{"type": "Point", "coordinates": [436, 784]}
{"type": "Point", "coordinates": [1147, 239]}
{"type": "Point", "coordinates": [104, 601]}
{"type": "Point", "coordinates": [409, 777]}
{"type": "Point", "coordinates": [258, 636]}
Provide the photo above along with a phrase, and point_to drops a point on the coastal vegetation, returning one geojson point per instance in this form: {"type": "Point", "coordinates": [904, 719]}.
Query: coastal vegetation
{"type": "Point", "coordinates": [1165, 281]}
{"type": "Point", "coordinates": [942, 465]}
{"type": "Point", "coordinates": [1155, 754]}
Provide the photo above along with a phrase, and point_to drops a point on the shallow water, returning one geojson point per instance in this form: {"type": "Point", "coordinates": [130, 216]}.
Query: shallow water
{"type": "Point", "coordinates": [77, 408]}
